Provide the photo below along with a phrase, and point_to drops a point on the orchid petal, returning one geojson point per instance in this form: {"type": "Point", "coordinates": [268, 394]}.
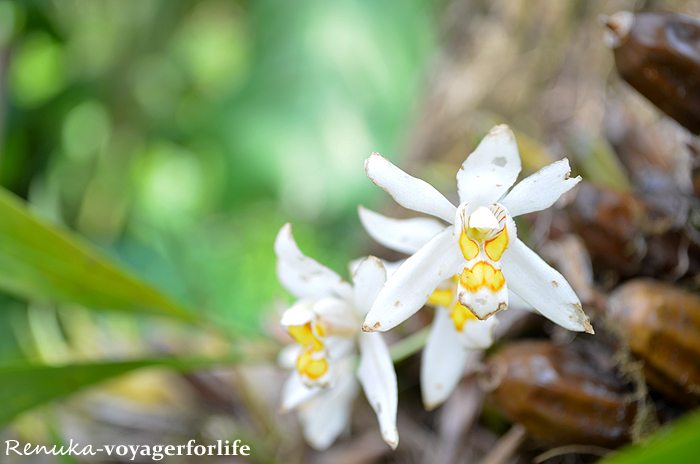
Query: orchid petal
{"type": "Point", "coordinates": [404, 235]}
{"type": "Point", "coordinates": [392, 266]}
{"type": "Point", "coordinates": [378, 379]}
{"type": "Point", "coordinates": [368, 281]}
{"type": "Point", "coordinates": [488, 295]}
{"type": "Point", "coordinates": [408, 191]}
{"type": "Point", "coordinates": [288, 355]}
{"type": "Point", "coordinates": [515, 302]}
{"type": "Point", "coordinates": [476, 334]}
{"type": "Point", "coordinates": [339, 347]}
{"type": "Point", "coordinates": [407, 290]}
{"type": "Point", "coordinates": [544, 288]}
{"type": "Point", "coordinates": [337, 316]}
{"type": "Point", "coordinates": [389, 266]}
{"type": "Point", "coordinates": [490, 169]}
{"type": "Point", "coordinates": [302, 276]}
{"type": "Point", "coordinates": [295, 393]}
{"type": "Point", "coordinates": [328, 415]}
{"type": "Point", "coordinates": [298, 314]}
{"type": "Point", "coordinates": [540, 190]}
{"type": "Point", "coordinates": [442, 363]}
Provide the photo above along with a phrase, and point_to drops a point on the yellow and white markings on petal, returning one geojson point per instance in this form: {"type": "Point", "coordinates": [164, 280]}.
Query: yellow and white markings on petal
{"type": "Point", "coordinates": [494, 248]}
{"type": "Point", "coordinates": [311, 363]}
{"type": "Point", "coordinates": [483, 238]}
{"type": "Point", "coordinates": [447, 298]}
{"type": "Point", "coordinates": [482, 275]}
{"type": "Point", "coordinates": [306, 336]}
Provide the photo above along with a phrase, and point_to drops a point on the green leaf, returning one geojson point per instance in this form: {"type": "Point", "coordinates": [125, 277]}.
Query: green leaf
{"type": "Point", "coordinates": [23, 386]}
{"type": "Point", "coordinates": [39, 260]}
{"type": "Point", "coordinates": [677, 443]}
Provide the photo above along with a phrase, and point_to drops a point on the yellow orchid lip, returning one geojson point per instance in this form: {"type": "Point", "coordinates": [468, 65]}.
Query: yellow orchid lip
{"type": "Point", "coordinates": [482, 275]}
{"type": "Point", "coordinates": [312, 364]}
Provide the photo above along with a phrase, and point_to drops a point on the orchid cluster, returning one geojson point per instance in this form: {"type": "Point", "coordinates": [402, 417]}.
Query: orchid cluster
{"type": "Point", "coordinates": [464, 263]}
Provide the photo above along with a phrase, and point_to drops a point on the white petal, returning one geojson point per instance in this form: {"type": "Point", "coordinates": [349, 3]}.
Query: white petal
{"type": "Point", "coordinates": [288, 355]}
{"type": "Point", "coordinates": [298, 314]}
{"type": "Point", "coordinates": [543, 287]}
{"type": "Point", "coordinates": [295, 393]}
{"type": "Point", "coordinates": [392, 266]}
{"type": "Point", "coordinates": [515, 302]}
{"type": "Point", "coordinates": [339, 347]}
{"type": "Point", "coordinates": [540, 190]}
{"type": "Point", "coordinates": [443, 361]}
{"type": "Point", "coordinates": [354, 264]}
{"type": "Point", "coordinates": [476, 334]}
{"type": "Point", "coordinates": [378, 378]}
{"type": "Point", "coordinates": [328, 415]}
{"type": "Point", "coordinates": [368, 282]}
{"type": "Point", "coordinates": [404, 235]}
{"type": "Point", "coordinates": [303, 276]}
{"type": "Point", "coordinates": [491, 169]}
{"type": "Point", "coordinates": [337, 316]}
{"type": "Point", "coordinates": [484, 303]}
{"type": "Point", "coordinates": [407, 290]}
{"type": "Point", "coordinates": [409, 192]}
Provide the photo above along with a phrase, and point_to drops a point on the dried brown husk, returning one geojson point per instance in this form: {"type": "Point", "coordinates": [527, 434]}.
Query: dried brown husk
{"type": "Point", "coordinates": [659, 55]}
{"type": "Point", "coordinates": [562, 394]}
{"type": "Point", "coordinates": [661, 324]}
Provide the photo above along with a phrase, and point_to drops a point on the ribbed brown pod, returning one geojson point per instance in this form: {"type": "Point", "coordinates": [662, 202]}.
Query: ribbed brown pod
{"type": "Point", "coordinates": [658, 53]}
{"type": "Point", "coordinates": [561, 395]}
{"type": "Point", "coordinates": [661, 323]}
{"type": "Point", "coordinates": [622, 232]}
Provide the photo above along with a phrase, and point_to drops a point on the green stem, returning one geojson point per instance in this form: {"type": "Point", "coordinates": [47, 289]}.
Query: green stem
{"type": "Point", "coordinates": [409, 345]}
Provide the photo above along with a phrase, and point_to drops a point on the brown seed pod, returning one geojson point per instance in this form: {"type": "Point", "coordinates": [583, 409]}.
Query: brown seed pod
{"type": "Point", "coordinates": [661, 324]}
{"type": "Point", "coordinates": [622, 232]}
{"type": "Point", "coordinates": [658, 53]}
{"type": "Point", "coordinates": [561, 394]}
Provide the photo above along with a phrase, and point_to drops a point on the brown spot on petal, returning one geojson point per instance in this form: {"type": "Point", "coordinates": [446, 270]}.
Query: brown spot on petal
{"type": "Point", "coordinates": [555, 284]}
{"type": "Point", "coordinates": [397, 304]}
{"type": "Point", "coordinates": [376, 325]}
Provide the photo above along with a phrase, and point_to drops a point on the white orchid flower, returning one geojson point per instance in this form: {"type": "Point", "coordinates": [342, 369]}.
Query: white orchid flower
{"type": "Point", "coordinates": [455, 332]}
{"type": "Point", "coordinates": [480, 244]}
{"type": "Point", "coordinates": [325, 322]}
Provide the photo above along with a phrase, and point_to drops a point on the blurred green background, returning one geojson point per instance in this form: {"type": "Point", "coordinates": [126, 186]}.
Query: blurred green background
{"type": "Point", "coordinates": [179, 135]}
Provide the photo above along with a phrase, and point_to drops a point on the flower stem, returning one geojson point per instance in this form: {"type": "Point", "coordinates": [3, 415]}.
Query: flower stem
{"type": "Point", "coordinates": [409, 345]}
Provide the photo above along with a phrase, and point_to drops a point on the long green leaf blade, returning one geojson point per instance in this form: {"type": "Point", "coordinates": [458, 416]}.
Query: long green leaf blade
{"type": "Point", "coordinates": [39, 260]}
{"type": "Point", "coordinates": [24, 386]}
